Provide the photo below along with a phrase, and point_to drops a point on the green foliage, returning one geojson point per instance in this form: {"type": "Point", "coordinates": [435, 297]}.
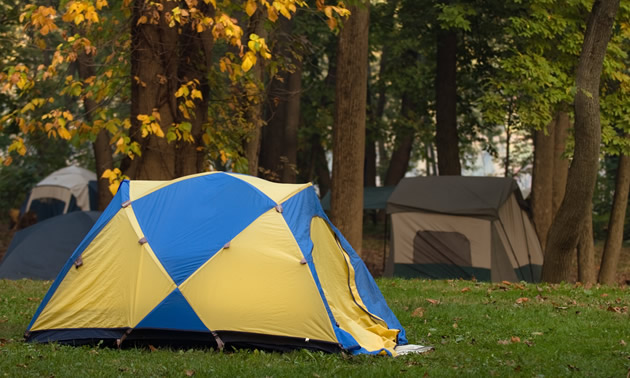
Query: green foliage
{"type": "Point", "coordinates": [477, 329]}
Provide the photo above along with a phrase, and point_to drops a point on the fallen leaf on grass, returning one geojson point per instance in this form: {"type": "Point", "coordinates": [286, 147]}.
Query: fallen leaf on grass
{"type": "Point", "coordinates": [465, 289]}
{"type": "Point", "coordinates": [522, 300]}
{"type": "Point", "coordinates": [537, 333]}
{"type": "Point", "coordinates": [454, 325]}
{"type": "Point", "coordinates": [619, 310]}
{"type": "Point", "coordinates": [604, 295]}
{"type": "Point", "coordinates": [516, 339]}
{"type": "Point", "coordinates": [503, 342]}
{"type": "Point", "coordinates": [433, 301]}
{"type": "Point", "coordinates": [190, 373]}
{"type": "Point", "coordinates": [508, 283]}
{"type": "Point", "coordinates": [418, 313]}
{"type": "Point", "coordinates": [33, 299]}
{"type": "Point", "coordinates": [622, 342]}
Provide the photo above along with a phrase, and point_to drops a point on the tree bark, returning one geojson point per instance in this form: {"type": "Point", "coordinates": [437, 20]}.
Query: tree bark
{"type": "Point", "coordinates": [446, 138]}
{"type": "Point", "coordinates": [542, 183]}
{"type": "Point", "coordinates": [349, 126]}
{"type": "Point", "coordinates": [255, 111]}
{"type": "Point", "coordinates": [320, 165]}
{"type": "Point", "coordinates": [560, 164]}
{"type": "Point", "coordinates": [154, 68]}
{"type": "Point", "coordinates": [195, 61]}
{"type": "Point", "coordinates": [102, 149]}
{"type": "Point", "coordinates": [586, 251]}
{"type": "Point", "coordinates": [405, 135]}
{"type": "Point", "coordinates": [564, 232]}
{"type": "Point", "coordinates": [612, 247]}
{"type": "Point", "coordinates": [294, 86]}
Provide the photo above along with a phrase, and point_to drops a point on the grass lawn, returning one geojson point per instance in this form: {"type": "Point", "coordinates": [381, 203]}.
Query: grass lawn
{"type": "Point", "coordinates": [478, 329]}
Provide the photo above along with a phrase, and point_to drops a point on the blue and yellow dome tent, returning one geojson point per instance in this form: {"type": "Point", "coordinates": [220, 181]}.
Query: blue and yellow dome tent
{"type": "Point", "coordinates": [222, 259]}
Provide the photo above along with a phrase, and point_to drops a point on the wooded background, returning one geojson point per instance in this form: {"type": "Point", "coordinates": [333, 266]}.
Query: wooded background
{"type": "Point", "coordinates": [288, 89]}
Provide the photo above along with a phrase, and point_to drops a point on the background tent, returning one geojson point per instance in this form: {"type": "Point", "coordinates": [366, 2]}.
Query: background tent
{"type": "Point", "coordinates": [65, 190]}
{"type": "Point", "coordinates": [222, 258]}
{"type": "Point", "coordinates": [462, 227]}
{"type": "Point", "coordinates": [41, 250]}
{"type": "Point", "coordinates": [374, 197]}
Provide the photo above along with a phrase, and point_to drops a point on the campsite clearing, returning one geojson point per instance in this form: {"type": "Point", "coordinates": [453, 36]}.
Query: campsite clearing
{"type": "Point", "coordinates": [478, 329]}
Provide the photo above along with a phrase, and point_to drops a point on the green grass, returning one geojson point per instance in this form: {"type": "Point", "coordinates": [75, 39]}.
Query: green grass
{"type": "Point", "coordinates": [478, 329]}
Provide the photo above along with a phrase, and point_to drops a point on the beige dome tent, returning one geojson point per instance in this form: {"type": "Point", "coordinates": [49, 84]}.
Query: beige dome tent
{"type": "Point", "coordinates": [67, 189]}
{"type": "Point", "coordinates": [462, 227]}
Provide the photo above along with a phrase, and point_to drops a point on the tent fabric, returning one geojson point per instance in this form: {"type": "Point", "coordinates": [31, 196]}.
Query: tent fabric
{"type": "Point", "coordinates": [461, 195]}
{"type": "Point", "coordinates": [41, 250]}
{"type": "Point", "coordinates": [63, 191]}
{"type": "Point", "coordinates": [253, 262]}
{"type": "Point", "coordinates": [462, 227]}
{"type": "Point", "coordinates": [374, 197]}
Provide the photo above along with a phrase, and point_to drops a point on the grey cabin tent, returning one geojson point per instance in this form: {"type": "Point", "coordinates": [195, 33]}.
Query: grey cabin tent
{"type": "Point", "coordinates": [462, 227]}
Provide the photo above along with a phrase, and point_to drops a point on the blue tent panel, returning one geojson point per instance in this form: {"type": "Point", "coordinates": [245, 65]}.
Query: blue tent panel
{"type": "Point", "coordinates": [189, 221]}
{"type": "Point", "coordinates": [174, 312]}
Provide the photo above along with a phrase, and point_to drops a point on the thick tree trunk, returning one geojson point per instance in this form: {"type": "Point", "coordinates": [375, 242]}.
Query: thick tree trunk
{"type": "Point", "coordinates": [586, 251]}
{"type": "Point", "coordinates": [101, 146]}
{"type": "Point", "coordinates": [154, 60]}
{"type": "Point", "coordinates": [564, 232]}
{"type": "Point", "coordinates": [560, 164]}
{"type": "Point", "coordinates": [255, 111]}
{"type": "Point", "coordinates": [349, 126]}
{"type": "Point", "coordinates": [446, 138]}
{"type": "Point", "coordinates": [289, 172]}
{"type": "Point", "coordinates": [162, 59]}
{"type": "Point", "coordinates": [273, 133]}
{"type": "Point", "coordinates": [612, 248]}
{"type": "Point", "coordinates": [195, 50]}
{"type": "Point", "coordinates": [542, 183]}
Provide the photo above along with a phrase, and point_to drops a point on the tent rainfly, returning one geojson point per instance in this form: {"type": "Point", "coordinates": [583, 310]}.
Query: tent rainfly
{"type": "Point", "coordinates": [462, 227]}
{"type": "Point", "coordinates": [219, 259]}
{"type": "Point", "coordinates": [65, 190]}
{"type": "Point", "coordinates": [40, 251]}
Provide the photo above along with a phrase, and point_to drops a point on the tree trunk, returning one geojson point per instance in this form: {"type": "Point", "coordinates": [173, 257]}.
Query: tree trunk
{"type": "Point", "coordinates": [405, 135]}
{"type": "Point", "coordinates": [586, 251]}
{"type": "Point", "coordinates": [289, 172]}
{"type": "Point", "coordinates": [320, 165]}
{"type": "Point", "coordinates": [195, 61]}
{"type": "Point", "coordinates": [446, 138]}
{"type": "Point", "coordinates": [369, 178]}
{"type": "Point", "coordinates": [560, 164]}
{"type": "Point", "coordinates": [564, 232]}
{"type": "Point", "coordinates": [349, 126]}
{"type": "Point", "coordinates": [101, 147]}
{"type": "Point", "coordinates": [542, 183]}
{"type": "Point", "coordinates": [255, 110]}
{"type": "Point", "coordinates": [162, 59]}
{"type": "Point", "coordinates": [154, 69]}
{"type": "Point", "coordinates": [612, 248]}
